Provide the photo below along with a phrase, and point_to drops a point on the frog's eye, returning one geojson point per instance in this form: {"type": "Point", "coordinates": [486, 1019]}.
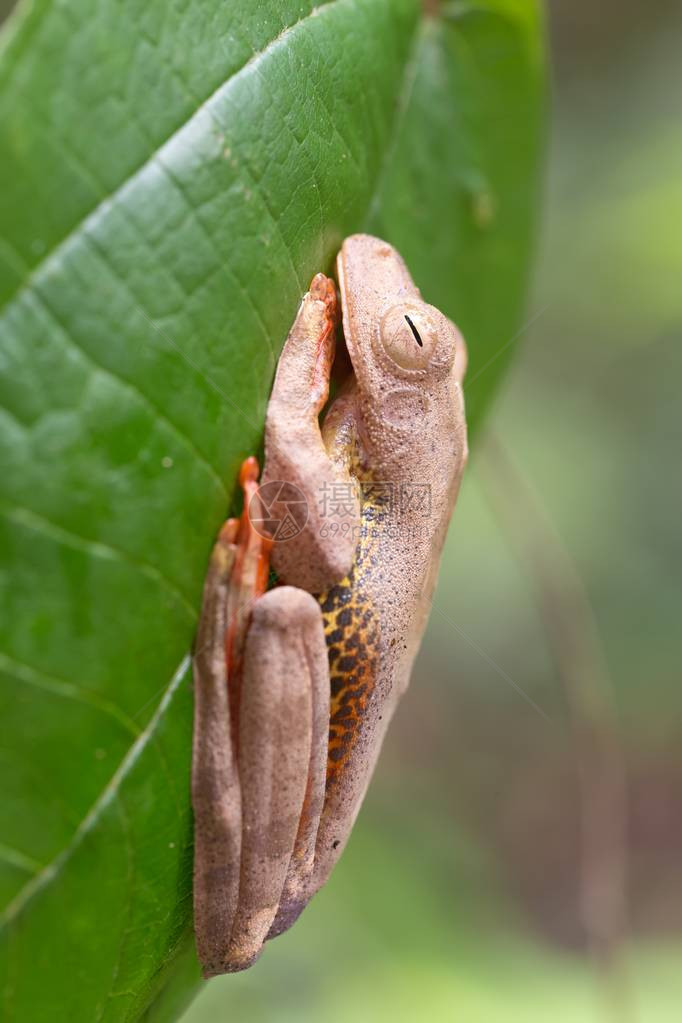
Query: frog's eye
{"type": "Point", "coordinates": [416, 336]}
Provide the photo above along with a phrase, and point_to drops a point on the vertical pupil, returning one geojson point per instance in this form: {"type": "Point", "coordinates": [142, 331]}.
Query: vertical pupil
{"type": "Point", "coordinates": [414, 331]}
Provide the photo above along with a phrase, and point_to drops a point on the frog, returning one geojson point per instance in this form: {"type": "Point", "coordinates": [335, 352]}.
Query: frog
{"type": "Point", "coordinates": [295, 683]}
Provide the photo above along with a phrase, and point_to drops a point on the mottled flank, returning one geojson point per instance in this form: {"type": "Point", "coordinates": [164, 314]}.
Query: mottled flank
{"type": "Point", "coordinates": [351, 628]}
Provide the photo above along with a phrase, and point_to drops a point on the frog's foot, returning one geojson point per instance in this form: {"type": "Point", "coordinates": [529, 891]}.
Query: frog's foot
{"type": "Point", "coordinates": [295, 453]}
{"type": "Point", "coordinates": [249, 576]}
{"type": "Point", "coordinates": [283, 724]}
{"type": "Point", "coordinates": [237, 576]}
{"type": "Point", "coordinates": [304, 367]}
{"type": "Point", "coordinates": [322, 289]}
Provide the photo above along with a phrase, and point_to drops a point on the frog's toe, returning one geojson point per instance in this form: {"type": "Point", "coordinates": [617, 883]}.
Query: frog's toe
{"type": "Point", "coordinates": [287, 915]}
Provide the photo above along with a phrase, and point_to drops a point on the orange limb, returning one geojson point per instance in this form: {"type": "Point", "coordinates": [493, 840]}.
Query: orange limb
{"type": "Point", "coordinates": [248, 579]}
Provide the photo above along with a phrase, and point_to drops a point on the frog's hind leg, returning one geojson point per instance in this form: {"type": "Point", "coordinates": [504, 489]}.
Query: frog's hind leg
{"type": "Point", "coordinates": [237, 576]}
{"type": "Point", "coordinates": [295, 893]}
{"type": "Point", "coordinates": [283, 720]}
{"type": "Point", "coordinates": [216, 796]}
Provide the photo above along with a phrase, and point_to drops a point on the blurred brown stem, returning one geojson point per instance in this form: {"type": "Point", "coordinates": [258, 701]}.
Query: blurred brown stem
{"type": "Point", "coordinates": [575, 644]}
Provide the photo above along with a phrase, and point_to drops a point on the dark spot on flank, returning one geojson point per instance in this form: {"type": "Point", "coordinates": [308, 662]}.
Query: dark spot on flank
{"type": "Point", "coordinates": [337, 684]}
{"type": "Point", "coordinates": [347, 663]}
{"type": "Point", "coordinates": [336, 636]}
{"type": "Point", "coordinates": [353, 694]}
{"type": "Point", "coordinates": [336, 753]}
{"type": "Point", "coordinates": [344, 617]}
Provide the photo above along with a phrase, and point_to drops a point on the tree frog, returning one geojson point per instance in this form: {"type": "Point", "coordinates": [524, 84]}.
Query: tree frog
{"type": "Point", "coordinates": [295, 685]}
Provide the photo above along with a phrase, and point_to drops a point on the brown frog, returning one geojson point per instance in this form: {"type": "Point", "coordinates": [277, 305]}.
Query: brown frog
{"type": "Point", "coordinates": [295, 687]}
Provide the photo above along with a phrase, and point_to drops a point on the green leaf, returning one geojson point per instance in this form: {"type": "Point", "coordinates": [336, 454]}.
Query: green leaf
{"type": "Point", "coordinates": [171, 177]}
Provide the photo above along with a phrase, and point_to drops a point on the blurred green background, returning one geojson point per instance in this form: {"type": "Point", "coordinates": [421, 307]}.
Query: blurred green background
{"type": "Point", "coordinates": [462, 895]}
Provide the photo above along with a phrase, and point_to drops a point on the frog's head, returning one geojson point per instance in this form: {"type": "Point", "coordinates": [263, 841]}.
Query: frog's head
{"type": "Point", "coordinates": [408, 358]}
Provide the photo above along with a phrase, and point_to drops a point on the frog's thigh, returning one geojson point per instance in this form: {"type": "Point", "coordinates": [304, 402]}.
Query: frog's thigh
{"type": "Point", "coordinates": [284, 656]}
{"type": "Point", "coordinates": [295, 893]}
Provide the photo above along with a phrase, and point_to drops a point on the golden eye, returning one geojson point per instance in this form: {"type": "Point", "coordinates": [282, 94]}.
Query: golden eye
{"type": "Point", "coordinates": [413, 336]}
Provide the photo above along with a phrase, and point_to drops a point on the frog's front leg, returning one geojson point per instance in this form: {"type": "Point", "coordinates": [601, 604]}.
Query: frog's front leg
{"type": "Point", "coordinates": [296, 454]}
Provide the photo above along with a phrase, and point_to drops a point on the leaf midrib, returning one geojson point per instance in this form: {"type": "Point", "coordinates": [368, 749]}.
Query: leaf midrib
{"type": "Point", "coordinates": [52, 869]}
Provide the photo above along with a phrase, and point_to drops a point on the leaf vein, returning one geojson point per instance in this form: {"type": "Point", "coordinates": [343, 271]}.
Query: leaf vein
{"type": "Point", "coordinates": [195, 213]}
{"type": "Point", "coordinates": [26, 673]}
{"type": "Point", "coordinates": [30, 519]}
{"type": "Point", "coordinates": [53, 868]}
{"type": "Point", "coordinates": [128, 384]}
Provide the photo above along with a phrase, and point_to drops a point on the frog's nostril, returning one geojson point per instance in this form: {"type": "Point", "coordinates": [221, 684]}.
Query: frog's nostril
{"type": "Point", "coordinates": [414, 331]}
